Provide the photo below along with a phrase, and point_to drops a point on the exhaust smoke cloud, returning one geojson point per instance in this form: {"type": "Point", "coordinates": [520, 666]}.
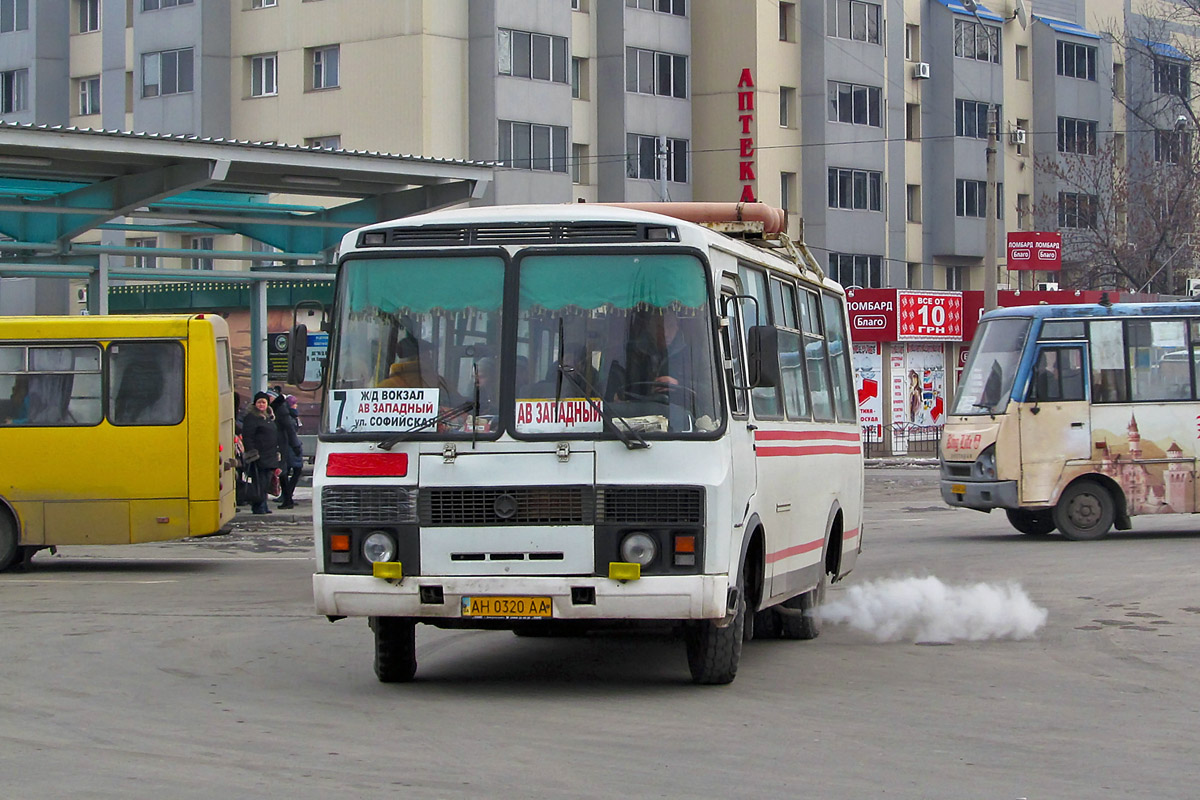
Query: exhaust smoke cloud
{"type": "Point", "coordinates": [926, 610]}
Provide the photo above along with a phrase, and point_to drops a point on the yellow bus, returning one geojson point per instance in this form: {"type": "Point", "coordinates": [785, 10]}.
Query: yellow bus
{"type": "Point", "coordinates": [114, 430]}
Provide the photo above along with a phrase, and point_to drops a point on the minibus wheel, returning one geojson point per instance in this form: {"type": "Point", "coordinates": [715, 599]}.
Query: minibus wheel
{"type": "Point", "coordinates": [8, 541]}
{"type": "Point", "coordinates": [395, 648]}
{"type": "Point", "coordinates": [1037, 523]}
{"type": "Point", "coordinates": [1085, 511]}
{"type": "Point", "coordinates": [713, 652]}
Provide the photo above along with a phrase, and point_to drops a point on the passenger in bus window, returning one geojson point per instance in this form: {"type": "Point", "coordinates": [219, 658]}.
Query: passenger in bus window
{"type": "Point", "coordinates": [412, 368]}
{"type": "Point", "coordinates": [16, 411]}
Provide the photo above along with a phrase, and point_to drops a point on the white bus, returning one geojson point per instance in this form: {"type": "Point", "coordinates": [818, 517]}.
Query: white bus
{"type": "Point", "coordinates": [567, 417]}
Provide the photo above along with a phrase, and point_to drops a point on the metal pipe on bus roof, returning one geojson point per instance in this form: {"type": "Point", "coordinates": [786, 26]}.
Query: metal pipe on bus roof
{"type": "Point", "coordinates": [774, 220]}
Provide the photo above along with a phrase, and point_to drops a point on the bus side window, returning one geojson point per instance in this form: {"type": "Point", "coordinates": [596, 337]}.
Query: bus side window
{"type": "Point", "coordinates": [763, 399]}
{"type": "Point", "coordinates": [791, 363]}
{"type": "Point", "coordinates": [145, 384]}
{"type": "Point", "coordinates": [839, 358]}
{"type": "Point", "coordinates": [1058, 375]}
{"type": "Point", "coordinates": [816, 357]}
{"type": "Point", "coordinates": [1106, 342]}
{"type": "Point", "coordinates": [731, 339]}
{"type": "Point", "coordinates": [64, 385]}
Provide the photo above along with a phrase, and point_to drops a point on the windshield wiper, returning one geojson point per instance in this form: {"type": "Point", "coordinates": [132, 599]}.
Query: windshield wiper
{"type": "Point", "coordinates": [629, 437]}
{"type": "Point", "coordinates": [447, 415]}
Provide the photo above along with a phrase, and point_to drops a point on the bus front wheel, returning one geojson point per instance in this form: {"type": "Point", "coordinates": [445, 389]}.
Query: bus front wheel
{"type": "Point", "coordinates": [1084, 511]}
{"type": "Point", "coordinates": [395, 648]}
{"type": "Point", "coordinates": [1038, 522]}
{"type": "Point", "coordinates": [713, 652]}
{"type": "Point", "coordinates": [9, 551]}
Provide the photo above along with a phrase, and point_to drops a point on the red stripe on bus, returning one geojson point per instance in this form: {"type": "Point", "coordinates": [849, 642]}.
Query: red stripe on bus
{"type": "Point", "coordinates": [800, 436]}
{"type": "Point", "coordinates": [811, 450]}
{"type": "Point", "coordinates": [850, 534]}
{"type": "Point", "coordinates": [787, 552]}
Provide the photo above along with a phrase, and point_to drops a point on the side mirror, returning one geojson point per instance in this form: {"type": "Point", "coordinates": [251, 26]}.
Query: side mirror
{"type": "Point", "coordinates": [763, 356]}
{"type": "Point", "coordinates": [297, 355]}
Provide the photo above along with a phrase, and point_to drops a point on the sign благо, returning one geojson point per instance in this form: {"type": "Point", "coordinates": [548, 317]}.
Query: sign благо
{"type": "Point", "coordinates": [1033, 250]}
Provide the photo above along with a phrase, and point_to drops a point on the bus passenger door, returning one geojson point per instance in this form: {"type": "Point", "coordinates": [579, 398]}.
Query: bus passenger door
{"type": "Point", "coordinates": [1054, 420]}
{"type": "Point", "coordinates": [743, 481]}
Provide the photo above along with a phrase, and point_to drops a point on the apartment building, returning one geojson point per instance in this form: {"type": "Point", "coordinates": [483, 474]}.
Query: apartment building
{"type": "Point", "coordinates": [867, 120]}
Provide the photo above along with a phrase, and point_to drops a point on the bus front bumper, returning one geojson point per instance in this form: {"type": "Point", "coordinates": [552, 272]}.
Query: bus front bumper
{"type": "Point", "coordinates": [980, 495]}
{"type": "Point", "coordinates": [667, 597]}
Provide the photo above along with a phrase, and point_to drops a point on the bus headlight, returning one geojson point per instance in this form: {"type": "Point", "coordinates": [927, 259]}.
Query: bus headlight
{"type": "Point", "coordinates": [985, 465]}
{"type": "Point", "coordinates": [379, 546]}
{"type": "Point", "coordinates": [639, 548]}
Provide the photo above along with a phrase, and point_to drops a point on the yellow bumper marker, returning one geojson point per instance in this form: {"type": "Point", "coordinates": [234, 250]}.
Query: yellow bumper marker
{"type": "Point", "coordinates": [624, 571]}
{"type": "Point", "coordinates": [388, 570]}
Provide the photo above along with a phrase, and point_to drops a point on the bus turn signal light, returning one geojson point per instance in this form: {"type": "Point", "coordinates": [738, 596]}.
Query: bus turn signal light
{"type": "Point", "coordinates": [685, 550]}
{"type": "Point", "coordinates": [339, 542]}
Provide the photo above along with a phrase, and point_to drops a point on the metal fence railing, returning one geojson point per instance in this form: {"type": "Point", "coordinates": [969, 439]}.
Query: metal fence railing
{"type": "Point", "coordinates": [902, 439]}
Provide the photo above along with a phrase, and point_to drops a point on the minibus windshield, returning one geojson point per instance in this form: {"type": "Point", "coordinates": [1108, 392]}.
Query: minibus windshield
{"type": "Point", "coordinates": [988, 377]}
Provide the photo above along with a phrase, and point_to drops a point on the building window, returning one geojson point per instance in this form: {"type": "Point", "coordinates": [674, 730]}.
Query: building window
{"type": "Point", "coordinates": [167, 72]}
{"type": "Point", "coordinates": [856, 269]}
{"type": "Point", "coordinates": [14, 15]}
{"type": "Point", "coordinates": [1172, 77]}
{"type": "Point", "coordinates": [154, 5]}
{"type": "Point", "coordinates": [1024, 212]}
{"type": "Point", "coordinates": [1022, 65]}
{"type": "Point", "coordinates": [651, 72]}
{"type": "Point", "coordinates": [970, 199]}
{"type": "Point", "coordinates": [1076, 61]}
{"type": "Point", "coordinates": [14, 90]}
{"type": "Point", "coordinates": [787, 105]}
{"type": "Point", "coordinates": [1076, 136]}
{"type": "Point", "coordinates": [1023, 125]}
{"type": "Point", "coordinates": [202, 243]}
{"type": "Point", "coordinates": [263, 3]}
{"type": "Point", "coordinates": [787, 191]}
{"type": "Point", "coordinates": [89, 15]}
{"type": "Point", "coordinates": [524, 145]}
{"type": "Point", "coordinates": [971, 118]}
{"type": "Point", "coordinates": [855, 189]}
{"type": "Point", "coordinates": [89, 95]}
{"type": "Point", "coordinates": [579, 78]}
{"type": "Point", "coordinates": [264, 74]}
{"type": "Point", "coordinates": [1118, 81]}
{"type": "Point", "coordinates": [642, 160]}
{"type": "Point", "coordinates": [579, 157]}
{"type": "Point", "coordinates": [914, 275]}
{"type": "Point", "coordinates": [977, 41]}
{"type": "Point", "coordinates": [532, 55]}
{"type": "Point", "coordinates": [676, 7]}
{"type": "Point", "coordinates": [954, 279]}
{"type": "Point", "coordinates": [787, 22]}
{"type": "Point", "coordinates": [1172, 147]}
{"type": "Point", "coordinates": [853, 19]}
{"type": "Point", "coordinates": [913, 202]}
{"type": "Point", "coordinates": [912, 42]}
{"type": "Point", "coordinates": [326, 66]}
{"type": "Point", "coordinates": [857, 105]}
{"type": "Point", "coordinates": [912, 121]}
{"type": "Point", "coordinates": [324, 142]}
{"type": "Point", "coordinates": [1077, 210]}
{"type": "Point", "coordinates": [146, 261]}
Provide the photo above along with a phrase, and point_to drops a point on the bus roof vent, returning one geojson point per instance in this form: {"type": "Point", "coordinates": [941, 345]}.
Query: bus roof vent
{"type": "Point", "coordinates": [604, 232]}
{"type": "Point", "coordinates": [527, 233]}
{"type": "Point", "coordinates": [425, 236]}
{"type": "Point", "coordinates": [514, 234]}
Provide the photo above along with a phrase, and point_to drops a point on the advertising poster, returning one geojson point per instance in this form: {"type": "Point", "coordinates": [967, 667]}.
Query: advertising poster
{"type": "Point", "coordinates": [925, 380]}
{"type": "Point", "coordinates": [868, 378]}
{"type": "Point", "coordinates": [896, 365]}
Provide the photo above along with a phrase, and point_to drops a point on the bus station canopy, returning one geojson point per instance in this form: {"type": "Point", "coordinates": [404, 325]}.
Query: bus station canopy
{"type": "Point", "coordinates": [59, 184]}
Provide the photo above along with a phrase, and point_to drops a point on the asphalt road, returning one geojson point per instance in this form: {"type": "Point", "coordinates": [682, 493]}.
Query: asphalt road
{"type": "Point", "coordinates": [198, 670]}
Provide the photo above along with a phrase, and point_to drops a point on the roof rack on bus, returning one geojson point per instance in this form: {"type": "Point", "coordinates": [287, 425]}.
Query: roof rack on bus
{"type": "Point", "coordinates": [759, 223]}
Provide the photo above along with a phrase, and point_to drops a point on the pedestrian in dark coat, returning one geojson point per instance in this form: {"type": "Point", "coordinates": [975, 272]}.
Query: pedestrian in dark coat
{"type": "Point", "coordinates": [261, 435]}
{"type": "Point", "coordinates": [290, 451]}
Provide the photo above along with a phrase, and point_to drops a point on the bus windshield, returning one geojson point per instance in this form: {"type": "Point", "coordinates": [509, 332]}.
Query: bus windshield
{"type": "Point", "coordinates": [613, 345]}
{"type": "Point", "coordinates": [988, 378]}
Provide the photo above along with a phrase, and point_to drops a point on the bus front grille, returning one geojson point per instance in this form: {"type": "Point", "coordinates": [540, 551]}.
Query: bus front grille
{"type": "Point", "coordinates": [515, 505]}
{"type": "Point", "coordinates": [560, 505]}
{"type": "Point", "coordinates": [673, 505]}
{"type": "Point", "coordinates": [356, 505]}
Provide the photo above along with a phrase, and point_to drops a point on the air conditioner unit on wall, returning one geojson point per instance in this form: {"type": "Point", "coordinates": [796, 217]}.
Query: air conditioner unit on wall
{"type": "Point", "coordinates": [1049, 286]}
{"type": "Point", "coordinates": [921, 70]}
{"type": "Point", "coordinates": [1018, 136]}
{"type": "Point", "coordinates": [1193, 287]}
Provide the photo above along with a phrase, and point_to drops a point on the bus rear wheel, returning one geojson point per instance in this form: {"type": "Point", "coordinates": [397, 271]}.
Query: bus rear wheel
{"type": "Point", "coordinates": [9, 551]}
{"type": "Point", "coordinates": [1038, 522]}
{"type": "Point", "coordinates": [395, 648]}
{"type": "Point", "coordinates": [1085, 511]}
{"type": "Point", "coordinates": [798, 618]}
